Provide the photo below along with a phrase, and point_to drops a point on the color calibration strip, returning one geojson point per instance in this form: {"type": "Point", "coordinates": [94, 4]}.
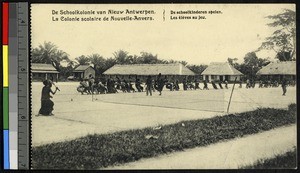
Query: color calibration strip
{"type": "Point", "coordinates": [15, 85]}
{"type": "Point", "coordinates": [5, 15]}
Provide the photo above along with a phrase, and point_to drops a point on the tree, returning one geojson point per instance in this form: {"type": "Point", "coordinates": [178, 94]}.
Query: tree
{"type": "Point", "coordinates": [252, 64]}
{"type": "Point", "coordinates": [148, 58]}
{"type": "Point", "coordinates": [198, 69]}
{"type": "Point", "coordinates": [109, 63]}
{"type": "Point", "coordinates": [183, 63]}
{"type": "Point", "coordinates": [283, 39]}
{"type": "Point", "coordinates": [83, 60]}
{"type": "Point", "coordinates": [98, 62]}
{"type": "Point", "coordinates": [284, 56]}
{"type": "Point", "coordinates": [48, 53]}
{"type": "Point", "coordinates": [121, 57]}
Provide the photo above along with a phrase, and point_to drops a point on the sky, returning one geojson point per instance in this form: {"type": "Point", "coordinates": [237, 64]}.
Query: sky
{"type": "Point", "coordinates": [239, 29]}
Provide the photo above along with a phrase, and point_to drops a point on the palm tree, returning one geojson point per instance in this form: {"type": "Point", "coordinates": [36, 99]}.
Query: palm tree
{"type": "Point", "coordinates": [48, 53]}
{"type": "Point", "coordinates": [98, 61]}
{"type": "Point", "coordinates": [83, 60]}
{"type": "Point", "coordinates": [121, 56]}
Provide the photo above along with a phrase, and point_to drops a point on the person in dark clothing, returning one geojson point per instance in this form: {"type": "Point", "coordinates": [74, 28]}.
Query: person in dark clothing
{"type": "Point", "coordinates": [241, 84]}
{"type": "Point", "coordinates": [205, 85]}
{"type": "Point", "coordinates": [112, 85]}
{"type": "Point", "coordinates": [126, 86]}
{"type": "Point", "coordinates": [260, 84]}
{"type": "Point", "coordinates": [108, 85]}
{"type": "Point", "coordinates": [284, 85]}
{"type": "Point", "coordinates": [138, 85]}
{"type": "Point", "coordinates": [118, 83]}
{"type": "Point", "coordinates": [214, 85]}
{"type": "Point", "coordinates": [184, 82]}
{"type": "Point", "coordinates": [220, 85]}
{"type": "Point", "coordinates": [149, 86]}
{"type": "Point", "coordinates": [130, 80]}
{"type": "Point", "coordinates": [46, 103]}
{"type": "Point", "coordinates": [83, 87]}
{"type": "Point", "coordinates": [197, 84]}
{"type": "Point", "coordinates": [169, 84]}
{"type": "Point", "coordinates": [176, 85]}
{"type": "Point", "coordinates": [91, 83]}
{"type": "Point", "coordinates": [226, 84]}
{"type": "Point", "coordinates": [160, 83]}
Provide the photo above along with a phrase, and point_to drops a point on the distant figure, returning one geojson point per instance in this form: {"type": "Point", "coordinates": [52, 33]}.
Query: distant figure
{"type": "Point", "coordinates": [205, 85]}
{"type": "Point", "coordinates": [253, 83]}
{"type": "Point", "coordinates": [284, 85]}
{"type": "Point", "coordinates": [176, 85]}
{"type": "Point", "coordinates": [260, 85]}
{"type": "Point", "coordinates": [138, 85]}
{"type": "Point", "coordinates": [46, 103]}
{"type": "Point", "coordinates": [220, 85]}
{"type": "Point", "coordinates": [160, 83]}
{"type": "Point", "coordinates": [214, 85]}
{"type": "Point", "coordinates": [197, 84]}
{"type": "Point", "coordinates": [101, 88]}
{"type": "Point", "coordinates": [184, 82]}
{"type": "Point", "coordinates": [226, 84]}
{"type": "Point", "coordinates": [130, 80]}
{"type": "Point", "coordinates": [169, 84]}
{"type": "Point", "coordinates": [91, 83]}
{"type": "Point", "coordinates": [119, 86]}
{"type": "Point", "coordinates": [149, 86]}
{"type": "Point", "coordinates": [241, 84]}
{"type": "Point", "coordinates": [83, 87]}
{"type": "Point", "coordinates": [248, 83]}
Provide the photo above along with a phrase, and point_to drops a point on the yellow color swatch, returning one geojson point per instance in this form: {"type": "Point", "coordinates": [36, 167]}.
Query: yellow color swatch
{"type": "Point", "coordinates": [5, 65]}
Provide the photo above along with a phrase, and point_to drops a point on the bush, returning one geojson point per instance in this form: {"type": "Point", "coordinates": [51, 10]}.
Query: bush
{"type": "Point", "coordinates": [284, 161]}
{"type": "Point", "coordinates": [293, 108]}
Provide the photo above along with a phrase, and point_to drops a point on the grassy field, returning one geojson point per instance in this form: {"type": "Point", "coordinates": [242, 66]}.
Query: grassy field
{"type": "Point", "coordinates": [102, 150]}
{"type": "Point", "coordinates": [284, 161]}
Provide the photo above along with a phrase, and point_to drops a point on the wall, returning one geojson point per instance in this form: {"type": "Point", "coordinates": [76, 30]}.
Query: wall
{"type": "Point", "coordinates": [89, 71]}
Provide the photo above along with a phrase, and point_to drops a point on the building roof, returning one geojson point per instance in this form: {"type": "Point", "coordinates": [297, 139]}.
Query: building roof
{"type": "Point", "coordinates": [149, 69]}
{"type": "Point", "coordinates": [42, 68]}
{"type": "Point", "coordinates": [82, 68]}
{"type": "Point", "coordinates": [219, 68]}
{"type": "Point", "coordinates": [279, 68]}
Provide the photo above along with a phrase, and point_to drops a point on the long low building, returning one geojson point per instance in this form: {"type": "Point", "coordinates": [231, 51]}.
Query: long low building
{"type": "Point", "coordinates": [43, 71]}
{"type": "Point", "coordinates": [219, 71]}
{"type": "Point", "coordinates": [176, 70]}
{"type": "Point", "coordinates": [278, 70]}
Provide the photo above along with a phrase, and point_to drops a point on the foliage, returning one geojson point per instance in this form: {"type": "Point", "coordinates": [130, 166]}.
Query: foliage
{"type": "Point", "coordinates": [83, 60]}
{"type": "Point", "coordinates": [121, 57]}
{"type": "Point", "coordinates": [102, 150]}
{"type": "Point", "coordinates": [283, 39]}
{"type": "Point", "coordinates": [250, 65]}
{"type": "Point", "coordinates": [285, 161]}
{"type": "Point", "coordinates": [233, 62]}
{"type": "Point", "coordinates": [48, 53]}
{"type": "Point", "coordinates": [198, 69]}
{"type": "Point", "coordinates": [99, 63]}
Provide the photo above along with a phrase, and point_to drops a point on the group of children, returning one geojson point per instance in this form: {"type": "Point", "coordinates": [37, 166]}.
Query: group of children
{"type": "Point", "coordinates": [152, 84]}
{"type": "Point", "coordinates": [92, 86]}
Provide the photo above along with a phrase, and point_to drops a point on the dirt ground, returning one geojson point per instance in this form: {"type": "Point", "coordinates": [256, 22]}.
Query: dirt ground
{"type": "Point", "coordinates": [77, 115]}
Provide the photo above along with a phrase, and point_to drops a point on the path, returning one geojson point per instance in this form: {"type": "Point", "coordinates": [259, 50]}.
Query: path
{"type": "Point", "coordinates": [231, 154]}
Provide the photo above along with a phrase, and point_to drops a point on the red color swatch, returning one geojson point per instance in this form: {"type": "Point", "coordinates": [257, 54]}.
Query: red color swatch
{"type": "Point", "coordinates": [5, 23]}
